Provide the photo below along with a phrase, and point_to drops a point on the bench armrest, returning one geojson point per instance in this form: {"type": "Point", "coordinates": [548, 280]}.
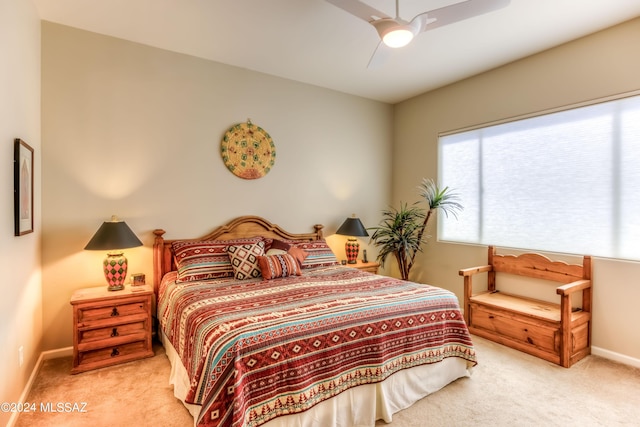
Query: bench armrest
{"type": "Point", "coordinates": [572, 287]}
{"type": "Point", "coordinates": [474, 270]}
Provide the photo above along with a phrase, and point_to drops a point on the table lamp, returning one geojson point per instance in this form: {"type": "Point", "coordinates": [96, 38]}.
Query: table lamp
{"type": "Point", "coordinates": [353, 228]}
{"type": "Point", "coordinates": [114, 236]}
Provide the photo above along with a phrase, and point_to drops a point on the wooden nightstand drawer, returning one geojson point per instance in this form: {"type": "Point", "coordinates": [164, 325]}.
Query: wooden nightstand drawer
{"type": "Point", "coordinates": [88, 346]}
{"type": "Point", "coordinates": [87, 335]}
{"type": "Point", "coordinates": [112, 310]}
{"type": "Point", "coordinates": [111, 327]}
{"type": "Point", "coordinates": [112, 355]}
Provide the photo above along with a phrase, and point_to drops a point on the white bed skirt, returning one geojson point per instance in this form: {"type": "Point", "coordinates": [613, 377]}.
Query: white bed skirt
{"type": "Point", "coordinates": [356, 407]}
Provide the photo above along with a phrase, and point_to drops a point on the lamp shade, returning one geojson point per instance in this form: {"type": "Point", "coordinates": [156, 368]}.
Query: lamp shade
{"type": "Point", "coordinates": [352, 227]}
{"type": "Point", "coordinates": [113, 236]}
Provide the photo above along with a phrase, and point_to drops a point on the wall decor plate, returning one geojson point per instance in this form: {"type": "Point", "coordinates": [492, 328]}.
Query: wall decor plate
{"type": "Point", "coordinates": [248, 151]}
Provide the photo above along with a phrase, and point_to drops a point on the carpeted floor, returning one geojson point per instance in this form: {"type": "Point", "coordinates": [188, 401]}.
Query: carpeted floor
{"type": "Point", "coordinates": [507, 388]}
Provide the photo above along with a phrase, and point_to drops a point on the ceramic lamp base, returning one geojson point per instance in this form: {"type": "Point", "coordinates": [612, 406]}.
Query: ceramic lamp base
{"type": "Point", "coordinates": [352, 247]}
{"type": "Point", "coordinates": [115, 270]}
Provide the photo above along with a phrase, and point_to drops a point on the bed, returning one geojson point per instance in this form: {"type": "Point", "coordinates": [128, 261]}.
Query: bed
{"type": "Point", "coordinates": [266, 327]}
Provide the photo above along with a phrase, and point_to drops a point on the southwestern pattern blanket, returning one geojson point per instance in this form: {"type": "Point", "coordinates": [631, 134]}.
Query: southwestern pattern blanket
{"type": "Point", "coordinates": [258, 349]}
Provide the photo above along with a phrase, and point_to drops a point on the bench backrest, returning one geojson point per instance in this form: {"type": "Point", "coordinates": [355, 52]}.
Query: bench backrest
{"type": "Point", "coordinates": [537, 266]}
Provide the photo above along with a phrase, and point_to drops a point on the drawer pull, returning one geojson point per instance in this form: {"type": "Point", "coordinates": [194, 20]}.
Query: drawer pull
{"type": "Point", "coordinates": [114, 332]}
{"type": "Point", "coordinates": [114, 312]}
{"type": "Point", "coordinates": [115, 352]}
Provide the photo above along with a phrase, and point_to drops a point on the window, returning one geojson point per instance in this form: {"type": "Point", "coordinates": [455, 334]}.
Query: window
{"type": "Point", "coordinates": [567, 181]}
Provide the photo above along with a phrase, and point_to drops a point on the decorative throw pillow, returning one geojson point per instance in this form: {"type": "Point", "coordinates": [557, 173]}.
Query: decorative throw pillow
{"type": "Point", "coordinates": [205, 259]}
{"type": "Point", "coordinates": [299, 254]}
{"type": "Point", "coordinates": [281, 265]}
{"type": "Point", "coordinates": [319, 254]}
{"type": "Point", "coordinates": [273, 251]}
{"type": "Point", "coordinates": [279, 244]}
{"type": "Point", "coordinates": [275, 246]}
{"type": "Point", "coordinates": [244, 260]}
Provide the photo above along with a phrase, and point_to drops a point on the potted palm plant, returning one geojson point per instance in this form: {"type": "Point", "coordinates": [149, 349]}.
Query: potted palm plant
{"type": "Point", "coordinates": [401, 231]}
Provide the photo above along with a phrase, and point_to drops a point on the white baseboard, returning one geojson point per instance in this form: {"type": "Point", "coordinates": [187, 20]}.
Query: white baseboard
{"type": "Point", "coordinates": [616, 357]}
{"type": "Point", "coordinates": [54, 354]}
{"type": "Point", "coordinates": [45, 355]}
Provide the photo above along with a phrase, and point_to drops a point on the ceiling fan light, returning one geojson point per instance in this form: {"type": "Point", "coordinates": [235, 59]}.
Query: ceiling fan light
{"type": "Point", "coordinates": [397, 37]}
{"type": "Point", "coordinates": [393, 33]}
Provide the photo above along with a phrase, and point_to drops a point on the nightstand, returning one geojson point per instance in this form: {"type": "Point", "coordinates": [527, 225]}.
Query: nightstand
{"type": "Point", "coordinates": [111, 327]}
{"type": "Point", "coordinates": [371, 266]}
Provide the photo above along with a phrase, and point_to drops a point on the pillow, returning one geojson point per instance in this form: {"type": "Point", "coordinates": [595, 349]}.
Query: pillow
{"type": "Point", "coordinates": [279, 244]}
{"type": "Point", "coordinates": [299, 254]}
{"type": "Point", "coordinates": [273, 251]}
{"type": "Point", "coordinates": [244, 260]}
{"type": "Point", "coordinates": [276, 247]}
{"type": "Point", "coordinates": [281, 265]}
{"type": "Point", "coordinates": [205, 259]}
{"type": "Point", "coordinates": [319, 254]}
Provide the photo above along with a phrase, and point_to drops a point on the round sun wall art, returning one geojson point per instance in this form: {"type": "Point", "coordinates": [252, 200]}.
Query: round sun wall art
{"type": "Point", "coordinates": [248, 151]}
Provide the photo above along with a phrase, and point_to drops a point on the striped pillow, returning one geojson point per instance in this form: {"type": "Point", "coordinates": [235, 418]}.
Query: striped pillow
{"type": "Point", "coordinates": [319, 254]}
{"type": "Point", "coordinates": [279, 265]}
{"type": "Point", "coordinates": [205, 259]}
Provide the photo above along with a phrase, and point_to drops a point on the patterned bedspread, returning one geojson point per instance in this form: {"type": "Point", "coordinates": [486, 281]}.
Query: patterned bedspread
{"type": "Point", "coordinates": [258, 349]}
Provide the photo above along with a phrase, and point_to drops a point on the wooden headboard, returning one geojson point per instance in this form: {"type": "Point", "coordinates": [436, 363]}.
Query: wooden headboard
{"type": "Point", "coordinates": [244, 226]}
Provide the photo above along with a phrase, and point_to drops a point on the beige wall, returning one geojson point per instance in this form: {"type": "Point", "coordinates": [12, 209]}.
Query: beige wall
{"type": "Point", "coordinates": [135, 131]}
{"type": "Point", "coordinates": [21, 299]}
{"type": "Point", "coordinates": [600, 65]}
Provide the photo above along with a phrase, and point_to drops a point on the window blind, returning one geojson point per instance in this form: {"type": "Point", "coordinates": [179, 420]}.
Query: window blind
{"type": "Point", "coordinates": [567, 181]}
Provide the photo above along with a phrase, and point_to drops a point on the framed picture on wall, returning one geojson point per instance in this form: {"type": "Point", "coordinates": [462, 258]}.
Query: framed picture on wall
{"type": "Point", "coordinates": [23, 187]}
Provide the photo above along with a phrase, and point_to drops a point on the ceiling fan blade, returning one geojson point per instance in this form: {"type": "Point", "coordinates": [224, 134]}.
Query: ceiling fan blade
{"type": "Point", "coordinates": [456, 12]}
{"type": "Point", "coordinates": [379, 57]}
{"type": "Point", "coordinates": [359, 9]}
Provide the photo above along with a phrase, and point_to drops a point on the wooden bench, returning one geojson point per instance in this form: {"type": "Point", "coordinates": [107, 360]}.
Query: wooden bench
{"type": "Point", "coordinates": [555, 332]}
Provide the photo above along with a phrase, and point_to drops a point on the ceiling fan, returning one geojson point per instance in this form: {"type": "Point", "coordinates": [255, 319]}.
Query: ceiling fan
{"type": "Point", "coordinates": [396, 32]}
